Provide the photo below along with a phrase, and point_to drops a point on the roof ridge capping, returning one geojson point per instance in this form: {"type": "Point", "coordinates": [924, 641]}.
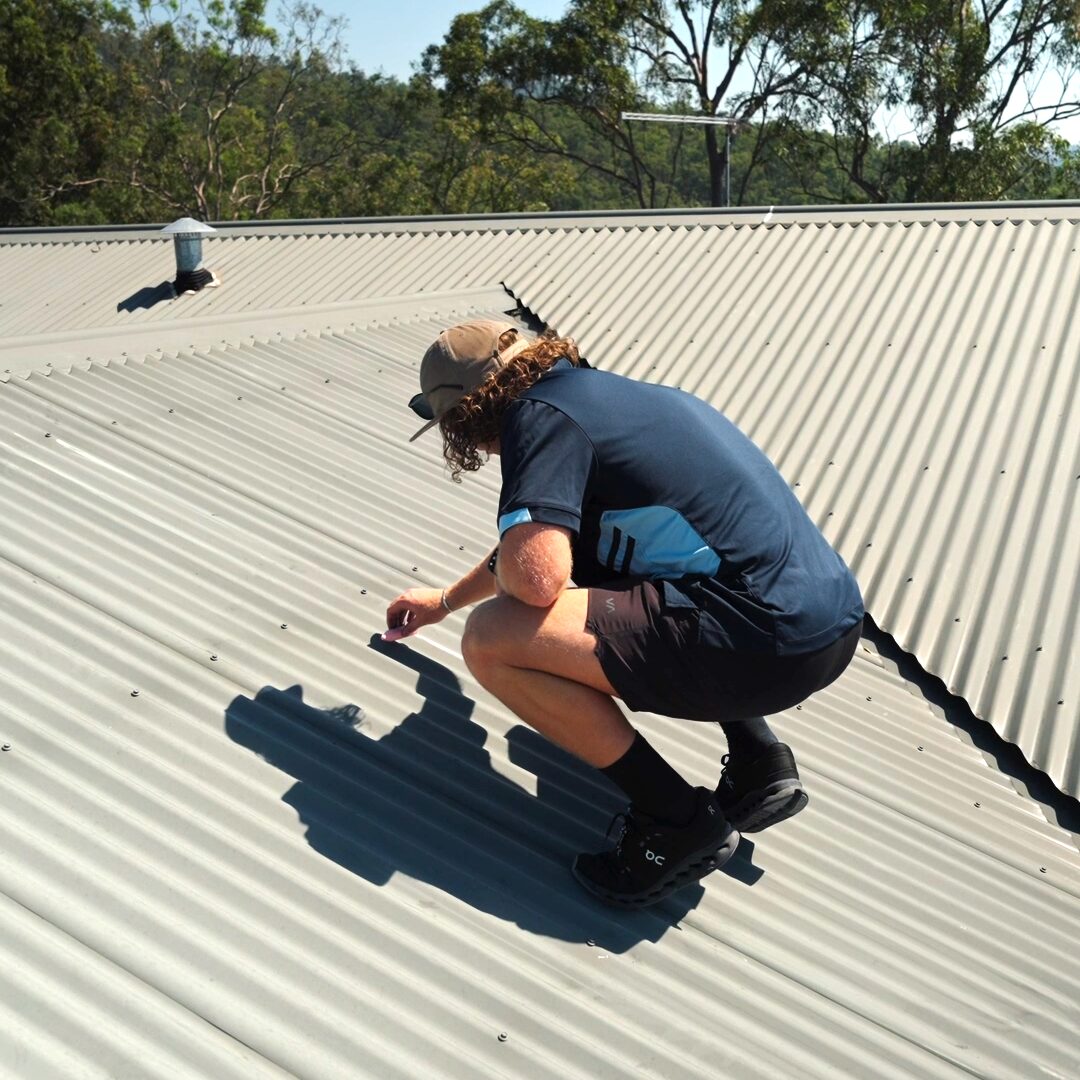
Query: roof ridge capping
{"type": "Point", "coordinates": [890, 212]}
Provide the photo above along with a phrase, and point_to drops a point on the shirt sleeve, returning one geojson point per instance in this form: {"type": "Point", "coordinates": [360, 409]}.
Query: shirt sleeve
{"type": "Point", "coordinates": [547, 465]}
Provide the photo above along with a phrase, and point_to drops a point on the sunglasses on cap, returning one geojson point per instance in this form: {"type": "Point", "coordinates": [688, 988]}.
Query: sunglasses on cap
{"type": "Point", "coordinates": [419, 403]}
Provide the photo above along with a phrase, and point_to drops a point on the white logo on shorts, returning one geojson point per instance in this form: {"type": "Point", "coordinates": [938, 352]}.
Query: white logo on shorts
{"type": "Point", "coordinates": [610, 603]}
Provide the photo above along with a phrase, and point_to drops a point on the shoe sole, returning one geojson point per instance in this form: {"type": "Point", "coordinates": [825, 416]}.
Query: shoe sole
{"type": "Point", "coordinates": [693, 868]}
{"type": "Point", "coordinates": [768, 806]}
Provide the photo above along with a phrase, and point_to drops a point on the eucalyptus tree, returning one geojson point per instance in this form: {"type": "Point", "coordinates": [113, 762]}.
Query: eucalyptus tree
{"type": "Point", "coordinates": [946, 99]}
{"type": "Point", "coordinates": [745, 60]}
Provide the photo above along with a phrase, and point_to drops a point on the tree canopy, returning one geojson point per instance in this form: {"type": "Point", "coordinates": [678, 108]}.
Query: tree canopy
{"type": "Point", "coordinates": [143, 111]}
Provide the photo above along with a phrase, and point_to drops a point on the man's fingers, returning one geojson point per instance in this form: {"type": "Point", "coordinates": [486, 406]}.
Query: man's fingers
{"type": "Point", "coordinates": [409, 612]}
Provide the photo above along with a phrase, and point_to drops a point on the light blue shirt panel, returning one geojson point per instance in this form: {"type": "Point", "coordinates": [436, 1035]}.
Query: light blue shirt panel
{"type": "Point", "coordinates": [518, 517]}
{"type": "Point", "coordinates": [666, 545]}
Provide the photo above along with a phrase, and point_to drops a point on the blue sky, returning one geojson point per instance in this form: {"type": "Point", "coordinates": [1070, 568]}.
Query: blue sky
{"type": "Point", "coordinates": [391, 36]}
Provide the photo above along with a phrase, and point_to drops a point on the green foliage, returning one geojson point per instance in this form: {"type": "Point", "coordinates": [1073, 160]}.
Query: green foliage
{"type": "Point", "coordinates": [522, 76]}
{"type": "Point", "coordinates": [160, 109]}
{"type": "Point", "coordinates": [59, 105]}
{"type": "Point", "coordinates": [963, 74]}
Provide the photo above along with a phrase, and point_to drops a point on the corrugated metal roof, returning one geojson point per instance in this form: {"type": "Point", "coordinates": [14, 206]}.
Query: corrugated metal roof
{"type": "Point", "coordinates": [64, 350]}
{"type": "Point", "coordinates": [1018, 210]}
{"type": "Point", "coordinates": [914, 379]}
{"type": "Point", "coordinates": [53, 288]}
{"type": "Point", "coordinates": [237, 851]}
{"type": "Point", "coordinates": [919, 387]}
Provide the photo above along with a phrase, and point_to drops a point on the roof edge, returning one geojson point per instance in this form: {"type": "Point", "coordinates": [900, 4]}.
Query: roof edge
{"type": "Point", "coordinates": [1058, 807]}
{"type": "Point", "coordinates": [570, 219]}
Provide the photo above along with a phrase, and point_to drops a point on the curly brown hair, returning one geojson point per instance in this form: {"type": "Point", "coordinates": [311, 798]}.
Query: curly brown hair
{"type": "Point", "coordinates": [476, 420]}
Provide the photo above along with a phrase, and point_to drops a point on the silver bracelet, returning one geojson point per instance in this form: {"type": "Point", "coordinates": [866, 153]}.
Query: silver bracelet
{"type": "Point", "coordinates": [445, 604]}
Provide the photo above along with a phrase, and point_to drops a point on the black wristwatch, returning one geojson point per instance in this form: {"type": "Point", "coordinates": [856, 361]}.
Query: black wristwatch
{"type": "Point", "coordinates": [493, 560]}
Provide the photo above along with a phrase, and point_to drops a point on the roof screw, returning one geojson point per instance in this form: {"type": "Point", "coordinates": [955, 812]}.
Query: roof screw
{"type": "Point", "coordinates": [284, 626]}
{"type": "Point", "coordinates": [172, 410]}
{"type": "Point", "coordinates": [590, 942]}
{"type": "Point", "coordinates": [213, 656]}
{"type": "Point", "coordinates": [461, 547]}
{"type": "Point", "coordinates": [134, 693]}
{"type": "Point", "coordinates": [1042, 869]}
{"type": "Point", "coordinates": [363, 592]}
{"type": "Point", "coordinates": [918, 748]}
{"type": "Point", "coordinates": [6, 747]}
{"type": "Point", "coordinates": [48, 434]}
{"type": "Point", "coordinates": [977, 805]}
{"type": "Point", "coordinates": [415, 568]}
{"type": "Point", "coordinates": [503, 1036]}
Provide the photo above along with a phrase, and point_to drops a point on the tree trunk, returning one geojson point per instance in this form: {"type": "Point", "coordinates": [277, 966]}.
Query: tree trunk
{"type": "Point", "coordinates": [717, 152]}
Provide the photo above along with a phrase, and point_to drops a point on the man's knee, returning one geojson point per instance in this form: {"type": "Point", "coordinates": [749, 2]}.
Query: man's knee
{"type": "Point", "coordinates": [480, 639]}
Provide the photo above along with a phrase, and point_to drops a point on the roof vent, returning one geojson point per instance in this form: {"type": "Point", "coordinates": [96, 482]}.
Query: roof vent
{"type": "Point", "coordinates": [191, 275]}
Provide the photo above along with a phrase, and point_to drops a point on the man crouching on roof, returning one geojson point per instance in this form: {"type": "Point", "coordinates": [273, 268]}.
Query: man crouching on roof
{"type": "Point", "coordinates": [703, 590]}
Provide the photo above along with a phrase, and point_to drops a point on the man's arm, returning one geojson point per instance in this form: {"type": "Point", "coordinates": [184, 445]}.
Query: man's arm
{"type": "Point", "coordinates": [424, 607]}
{"type": "Point", "coordinates": [535, 562]}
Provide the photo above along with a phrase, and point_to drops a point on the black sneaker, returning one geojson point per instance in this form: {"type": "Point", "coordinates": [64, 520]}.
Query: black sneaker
{"type": "Point", "coordinates": [651, 860]}
{"type": "Point", "coordinates": [765, 791]}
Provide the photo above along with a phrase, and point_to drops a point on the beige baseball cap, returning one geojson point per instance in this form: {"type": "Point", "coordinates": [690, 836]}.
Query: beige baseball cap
{"type": "Point", "coordinates": [457, 362]}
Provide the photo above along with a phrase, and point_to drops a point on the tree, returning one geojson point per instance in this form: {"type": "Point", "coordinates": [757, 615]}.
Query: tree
{"type": "Point", "coordinates": [239, 115]}
{"type": "Point", "coordinates": [602, 58]}
{"type": "Point", "coordinates": [962, 75]}
{"type": "Point", "coordinates": [62, 107]}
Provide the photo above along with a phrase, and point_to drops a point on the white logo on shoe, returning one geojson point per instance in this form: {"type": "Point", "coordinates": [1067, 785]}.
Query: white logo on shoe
{"type": "Point", "coordinates": [653, 857]}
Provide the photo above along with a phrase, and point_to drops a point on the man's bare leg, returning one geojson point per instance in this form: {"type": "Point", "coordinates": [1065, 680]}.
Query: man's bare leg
{"type": "Point", "coordinates": [541, 663]}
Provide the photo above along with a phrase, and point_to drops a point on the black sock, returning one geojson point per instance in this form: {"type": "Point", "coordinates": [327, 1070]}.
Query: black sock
{"type": "Point", "coordinates": [748, 739]}
{"type": "Point", "coordinates": [653, 786]}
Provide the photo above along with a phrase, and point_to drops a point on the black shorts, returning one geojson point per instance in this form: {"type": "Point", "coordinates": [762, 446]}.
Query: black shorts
{"type": "Point", "coordinates": [654, 658]}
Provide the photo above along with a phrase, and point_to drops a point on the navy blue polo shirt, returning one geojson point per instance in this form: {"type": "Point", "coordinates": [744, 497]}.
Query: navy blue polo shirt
{"type": "Point", "coordinates": [655, 483]}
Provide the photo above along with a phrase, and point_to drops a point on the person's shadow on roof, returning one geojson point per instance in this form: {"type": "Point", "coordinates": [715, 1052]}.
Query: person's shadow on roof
{"type": "Point", "coordinates": [425, 801]}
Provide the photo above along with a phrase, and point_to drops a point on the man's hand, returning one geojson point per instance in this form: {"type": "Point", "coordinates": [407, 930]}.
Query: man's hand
{"type": "Point", "coordinates": [411, 610]}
